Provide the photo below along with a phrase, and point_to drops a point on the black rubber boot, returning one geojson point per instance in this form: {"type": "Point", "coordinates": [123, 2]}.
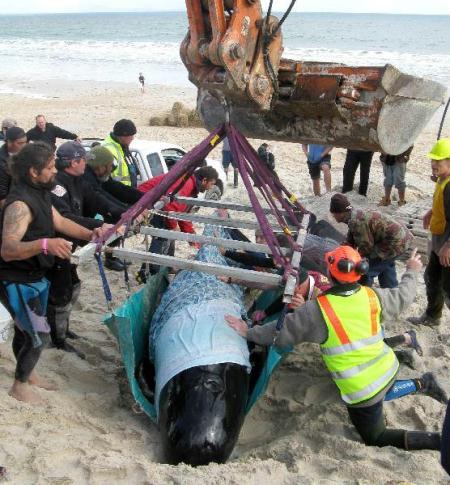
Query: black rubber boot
{"type": "Point", "coordinates": [113, 263]}
{"type": "Point", "coordinates": [430, 387]}
{"type": "Point", "coordinates": [72, 335]}
{"type": "Point", "coordinates": [66, 347]}
{"type": "Point", "coordinates": [405, 357]}
{"type": "Point", "coordinates": [426, 320]}
{"type": "Point", "coordinates": [235, 179]}
{"type": "Point", "coordinates": [421, 440]}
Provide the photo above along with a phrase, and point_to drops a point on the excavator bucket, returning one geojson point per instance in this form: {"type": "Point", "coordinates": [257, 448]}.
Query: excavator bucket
{"type": "Point", "coordinates": [234, 57]}
{"type": "Point", "coordinates": [366, 108]}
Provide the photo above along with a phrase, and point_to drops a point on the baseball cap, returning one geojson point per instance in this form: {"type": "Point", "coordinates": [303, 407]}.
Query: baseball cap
{"type": "Point", "coordinates": [71, 150]}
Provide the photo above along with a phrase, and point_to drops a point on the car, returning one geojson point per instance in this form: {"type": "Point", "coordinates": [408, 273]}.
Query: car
{"type": "Point", "coordinates": [155, 158]}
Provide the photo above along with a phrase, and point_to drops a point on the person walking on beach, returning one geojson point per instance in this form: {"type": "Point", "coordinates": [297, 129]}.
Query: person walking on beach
{"type": "Point", "coordinates": [353, 159]}
{"type": "Point", "coordinates": [15, 140]}
{"type": "Point", "coordinates": [28, 249]}
{"type": "Point", "coordinates": [377, 237]}
{"type": "Point", "coordinates": [319, 159]}
{"type": "Point", "coordinates": [437, 220]}
{"type": "Point", "coordinates": [394, 170]}
{"type": "Point", "coordinates": [142, 82]}
{"type": "Point", "coordinates": [346, 322]}
{"type": "Point", "coordinates": [48, 132]}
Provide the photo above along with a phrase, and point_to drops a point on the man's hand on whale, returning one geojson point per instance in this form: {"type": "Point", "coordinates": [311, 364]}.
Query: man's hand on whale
{"type": "Point", "coordinates": [237, 324]}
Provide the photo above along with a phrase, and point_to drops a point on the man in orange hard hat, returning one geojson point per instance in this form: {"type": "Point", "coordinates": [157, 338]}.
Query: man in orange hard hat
{"type": "Point", "coordinates": [346, 321]}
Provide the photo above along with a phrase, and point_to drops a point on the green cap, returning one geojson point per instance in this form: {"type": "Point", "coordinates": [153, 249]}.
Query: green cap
{"type": "Point", "coordinates": [99, 156]}
{"type": "Point", "coordinates": [441, 150]}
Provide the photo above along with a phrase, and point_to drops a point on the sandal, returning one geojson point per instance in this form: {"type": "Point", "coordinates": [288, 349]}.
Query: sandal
{"type": "Point", "coordinates": [414, 342]}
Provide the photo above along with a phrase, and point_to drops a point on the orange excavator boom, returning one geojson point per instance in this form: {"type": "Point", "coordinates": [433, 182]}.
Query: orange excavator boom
{"type": "Point", "coordinates": [234, 57]}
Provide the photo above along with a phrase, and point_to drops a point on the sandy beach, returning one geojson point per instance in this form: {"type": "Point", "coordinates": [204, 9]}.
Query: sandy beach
{"type": "Point", "coordinates": [298, 433]}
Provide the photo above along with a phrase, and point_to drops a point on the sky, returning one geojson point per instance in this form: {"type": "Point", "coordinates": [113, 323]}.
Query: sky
{"type": "Point", "coordinates": [420, 7]}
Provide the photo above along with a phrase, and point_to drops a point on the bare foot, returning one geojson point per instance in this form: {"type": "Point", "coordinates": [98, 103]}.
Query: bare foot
{"type": "Point", "coordinates": [36, 380]}
{"type": "Point", "coordinates": [23, 392]}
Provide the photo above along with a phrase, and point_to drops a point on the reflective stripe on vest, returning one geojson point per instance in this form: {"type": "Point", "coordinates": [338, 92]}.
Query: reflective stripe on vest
{"type": "Point", "coordinates": [360, 363]}
{"type": "Point", "coordinates": [438, 221]}
{"type": "Point", "coordinates": [121, 173]}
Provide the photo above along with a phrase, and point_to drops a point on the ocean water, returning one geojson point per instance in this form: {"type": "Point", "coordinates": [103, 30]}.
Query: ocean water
{"type": "Point", "coordinates": [116, 47]}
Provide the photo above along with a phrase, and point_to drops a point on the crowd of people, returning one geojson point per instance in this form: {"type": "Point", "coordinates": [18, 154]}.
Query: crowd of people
{"type": "Point", "coordinates": [55, 199]}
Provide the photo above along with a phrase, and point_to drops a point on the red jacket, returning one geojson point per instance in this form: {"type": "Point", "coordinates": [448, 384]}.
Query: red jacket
{"type": "Point", "coordinates": [189, 189]}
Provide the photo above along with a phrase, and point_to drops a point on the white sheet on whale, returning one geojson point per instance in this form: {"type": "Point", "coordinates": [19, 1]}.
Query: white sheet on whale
{"type": "Point", "coordinates": [198, 335]}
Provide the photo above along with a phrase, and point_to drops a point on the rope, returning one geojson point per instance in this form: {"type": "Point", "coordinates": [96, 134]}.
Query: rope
{"type": "Point", "coordinates": [106, 289]}
{"type": "Point", "coordinates": [443, 119]}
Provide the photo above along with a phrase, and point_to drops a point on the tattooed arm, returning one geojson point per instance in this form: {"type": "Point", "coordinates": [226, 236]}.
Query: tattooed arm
{"type": "Point", "coordinates": [16, 220]}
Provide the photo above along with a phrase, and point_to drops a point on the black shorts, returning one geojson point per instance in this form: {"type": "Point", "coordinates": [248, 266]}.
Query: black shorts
{"type": "Point", "coordinates": [315, 168]}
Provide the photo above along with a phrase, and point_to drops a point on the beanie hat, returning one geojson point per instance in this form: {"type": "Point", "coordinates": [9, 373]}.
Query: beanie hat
{"type": "Point", "coordinates": [124, 128]}
{"type": "Point", "coordinates": [8, 123]}
{"type": "Point", "coordinates": [14, 133]}
{"type": "Point", "coordinates": [99, 156]}
{"type": "Point", "coordinates": [339, 203]}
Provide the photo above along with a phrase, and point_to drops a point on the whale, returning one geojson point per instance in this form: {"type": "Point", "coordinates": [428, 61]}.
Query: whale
{"type": "Point", "coordinates": [192, 374]}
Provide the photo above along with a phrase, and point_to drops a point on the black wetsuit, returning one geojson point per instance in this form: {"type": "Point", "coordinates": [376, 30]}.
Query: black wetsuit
{"type": "Point", "coordinates": [30, 270]}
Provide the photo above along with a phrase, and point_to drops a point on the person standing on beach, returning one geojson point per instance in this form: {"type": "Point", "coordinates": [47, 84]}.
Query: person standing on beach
{"type": "Point", "coordinates": [227, 160]}
{"type": "Point", "coordinates": [27, 251]}
{"type": "Point", "coordinates": [120, 197]}
{"type": "Point", "coordinates": [378, 237]}
{"type": "Point", "coordinates": [394, 170]}
{"type": "Point", "coordinates": [74, 199]}
{"type": "Point", "coordinates": [142, 82]}
{"type": "Point", "coordinates": [48, 132]}
{"type": "Point", "coordinates": [437, 220]}
{"type": "Point", "coordinates": [319, 160]}
{"type": "Point", "coordinates": [118, 143]}
{"type": "Point", "coordinates": [346, 322]}
{"type": "Point", "coordinates": [7, 123]}
{"type": "Point", "coordinates": [353, 159]}
{"type": "Point", "coordinates": [15, 140]}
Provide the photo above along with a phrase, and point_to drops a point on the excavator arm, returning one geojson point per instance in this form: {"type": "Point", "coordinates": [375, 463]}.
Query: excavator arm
{"type": "Point", "coordinates": [234, 56]}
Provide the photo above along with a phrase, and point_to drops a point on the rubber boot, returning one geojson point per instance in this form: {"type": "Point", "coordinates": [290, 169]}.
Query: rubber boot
{"type": "Point", "coordinates": [425, 319]}
{"type": "Point", "coordinates": [405, 357]}
{"type": "Point", "coordinates": [58, 319]}
{"type": "Point", "coordinates": [422, 440]}
{"type": "Point", "coordinates": [235, 179]}
{"type": "Point", "coordinates": [113, 263]}
{"type": "Point", "coordinates": [75, 294]}
{"type": "Point", "coordinates": [430, 387]}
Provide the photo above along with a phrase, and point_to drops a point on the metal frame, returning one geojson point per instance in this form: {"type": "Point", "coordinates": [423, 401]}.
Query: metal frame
{"type": "Point", "coordinates": [251, 276]}
{"type": "Point", "coordinates": [214, 241]}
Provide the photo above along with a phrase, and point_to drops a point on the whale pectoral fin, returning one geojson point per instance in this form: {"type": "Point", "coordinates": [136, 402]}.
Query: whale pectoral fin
{"type": "Point", "coordinates": [145, 375]}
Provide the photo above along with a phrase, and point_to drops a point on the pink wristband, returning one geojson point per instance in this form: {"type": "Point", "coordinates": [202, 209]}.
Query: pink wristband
{"type": "Point", "coordinates": [44, 246]}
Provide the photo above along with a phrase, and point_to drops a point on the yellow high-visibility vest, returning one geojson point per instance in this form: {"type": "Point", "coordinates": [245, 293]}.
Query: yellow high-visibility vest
{"type": "Point", "coordinates": [438, 222]}
{"type": "Point", "coordinates": [359, 361]}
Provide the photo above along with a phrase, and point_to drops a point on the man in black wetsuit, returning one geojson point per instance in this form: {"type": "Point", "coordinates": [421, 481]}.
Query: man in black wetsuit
{"type": "Point", "coordinates": [28, 247]}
